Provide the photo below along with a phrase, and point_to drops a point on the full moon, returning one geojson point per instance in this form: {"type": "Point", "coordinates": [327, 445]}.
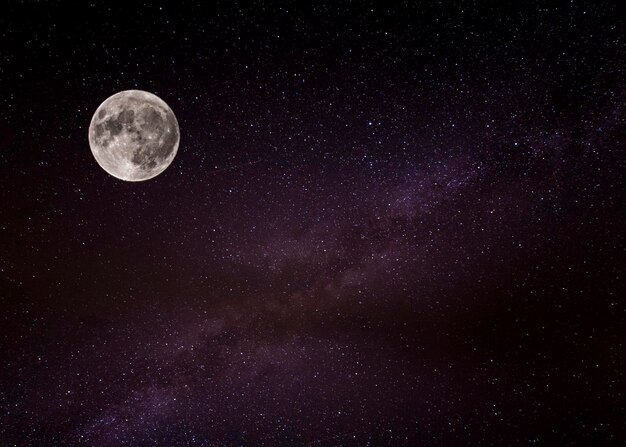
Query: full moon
{"type": "Point", "coordinates": [134, 135]}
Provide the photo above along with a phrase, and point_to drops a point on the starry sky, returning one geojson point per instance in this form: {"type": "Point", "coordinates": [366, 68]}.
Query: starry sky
{"type": "Point", "coordinates": [388, 223]}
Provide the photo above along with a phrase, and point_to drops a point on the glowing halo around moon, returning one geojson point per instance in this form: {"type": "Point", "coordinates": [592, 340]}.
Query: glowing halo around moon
{"type": "Point", "coordinates": [134, 135]}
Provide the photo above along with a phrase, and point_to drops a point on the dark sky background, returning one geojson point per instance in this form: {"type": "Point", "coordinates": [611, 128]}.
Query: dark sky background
{"type": "Point", "coordinates": [387, 224]}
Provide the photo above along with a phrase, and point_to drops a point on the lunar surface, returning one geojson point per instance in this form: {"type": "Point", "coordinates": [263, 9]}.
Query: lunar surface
{"type": "Point", "coordinates": [134, 135]}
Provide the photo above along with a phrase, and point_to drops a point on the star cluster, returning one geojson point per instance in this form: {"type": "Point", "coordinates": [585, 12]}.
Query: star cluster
{"type": "Point", "coordinates": [385, 225]}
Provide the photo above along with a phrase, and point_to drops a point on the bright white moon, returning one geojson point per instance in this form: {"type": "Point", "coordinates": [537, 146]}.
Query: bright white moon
{"type": "Point", "coordinates": [134, 135]}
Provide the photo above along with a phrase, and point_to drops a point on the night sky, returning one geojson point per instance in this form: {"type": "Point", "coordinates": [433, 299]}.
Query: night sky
{"type": "Point", "coordinates": [386, 225]}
